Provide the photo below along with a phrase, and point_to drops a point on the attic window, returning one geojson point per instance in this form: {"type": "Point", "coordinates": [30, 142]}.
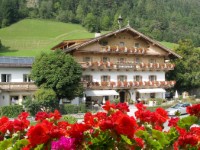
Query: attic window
{"type": "Point", "coordinates": [103, 43]}
{"type": "Point", "coordinates": [121, 44]}
{"type": "Point", "coordinates": [137, 45]}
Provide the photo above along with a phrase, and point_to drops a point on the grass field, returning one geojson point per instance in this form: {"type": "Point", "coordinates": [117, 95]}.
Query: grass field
{"type": "Point", "coordinates": [29, 37]}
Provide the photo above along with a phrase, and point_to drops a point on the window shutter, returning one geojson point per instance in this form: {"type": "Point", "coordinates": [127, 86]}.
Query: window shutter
{"type": "Point", "coordinates": [91, 78]}
{"type": "Point", "coordinates": [134, 78]}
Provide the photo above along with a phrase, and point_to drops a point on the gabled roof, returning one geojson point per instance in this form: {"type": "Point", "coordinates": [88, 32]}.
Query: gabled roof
{"type": "Point", "coordinates": [128, 28]}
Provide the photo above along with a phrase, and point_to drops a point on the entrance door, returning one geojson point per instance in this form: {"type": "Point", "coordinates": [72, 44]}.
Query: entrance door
{"type": "Point", "coordinates": [122, 96]}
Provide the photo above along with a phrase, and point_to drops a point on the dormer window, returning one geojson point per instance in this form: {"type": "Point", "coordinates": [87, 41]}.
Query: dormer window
{"type": "Point", "coordinates": [137, 45]}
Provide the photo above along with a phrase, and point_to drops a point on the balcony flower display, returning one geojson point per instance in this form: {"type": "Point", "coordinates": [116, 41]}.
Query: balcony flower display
{"type": "Point", "coordinates": [111, 129]}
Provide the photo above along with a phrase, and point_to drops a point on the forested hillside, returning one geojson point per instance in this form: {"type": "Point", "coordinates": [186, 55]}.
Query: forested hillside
{"type": "Point", "coordinates": [164, 20]}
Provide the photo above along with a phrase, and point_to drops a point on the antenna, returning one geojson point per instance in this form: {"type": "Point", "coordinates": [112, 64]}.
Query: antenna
{"type": "Point", "coordinates": [120, 19]}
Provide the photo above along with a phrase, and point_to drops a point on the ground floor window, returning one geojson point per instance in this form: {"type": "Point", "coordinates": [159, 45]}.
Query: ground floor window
{"type": "Point", "coordinates": [14, 99]}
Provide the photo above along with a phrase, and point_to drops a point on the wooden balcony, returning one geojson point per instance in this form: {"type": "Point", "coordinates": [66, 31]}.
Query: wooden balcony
{"type": "Point", "coordinates": [127, 66]}
{"type": "Point", "coordinates": [128, 85]}
{"type": "Point", "coordinates": [124, 49]}
{"type": "Point", "coordinates": [17, 86]}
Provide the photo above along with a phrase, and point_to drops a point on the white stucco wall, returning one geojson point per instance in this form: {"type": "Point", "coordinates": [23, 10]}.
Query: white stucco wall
{"type": "Point", "coordinates": [16, 73]}
{"type": "Point", "coordinates": [130, 75]}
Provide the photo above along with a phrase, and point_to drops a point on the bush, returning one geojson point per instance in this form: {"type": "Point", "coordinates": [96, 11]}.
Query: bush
{"type": "Point", "coordinates": [11, 111]}
{"type": "Point", "coordinates": [73, 109]}
{"type": "Point", "coordinates": [33, 106]}
{"type": "Point", "coordinates": [45, 94]}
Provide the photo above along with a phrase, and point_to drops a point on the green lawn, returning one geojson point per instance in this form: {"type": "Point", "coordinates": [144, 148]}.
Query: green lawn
{"type": "Point", "coordinates": [30, 36]}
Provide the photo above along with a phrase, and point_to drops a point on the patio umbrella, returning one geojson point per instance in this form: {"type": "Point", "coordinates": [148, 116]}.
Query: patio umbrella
{"type": "Point", "coordinates": [176, 95]}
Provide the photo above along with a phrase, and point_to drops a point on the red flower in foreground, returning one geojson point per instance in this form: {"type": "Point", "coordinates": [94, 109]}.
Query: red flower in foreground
{"type": "Point", "coordinates": [108, 106]}
{"type": "Point", "coordinates": [55, 115]}
{"type": "Point", "coordinates": [126, 125]}
{"type": "Point", "coordinates": [123, 107]}
{"type": "Point", "coordinates": [38, 134]}
{"type": "Point", "coordinates": [194, 110]}
{"type": "Point", "coordinates": [173, 122]}
{"type": "Point", "coordinates": [40, 116]}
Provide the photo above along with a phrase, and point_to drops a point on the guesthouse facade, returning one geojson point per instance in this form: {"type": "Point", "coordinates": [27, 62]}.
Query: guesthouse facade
{"type": "Point", "coordinates": [123, 64]}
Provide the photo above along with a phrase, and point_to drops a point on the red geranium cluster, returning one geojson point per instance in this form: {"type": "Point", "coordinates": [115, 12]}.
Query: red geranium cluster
{"type": "Point", "coordinates": [194, 110]}
{"type": "Point", "coordinates": [110, 129]}
{"type": "Point", "coordinates": [156, 119]}
{"type": "Point", "coordinates": [8, 127]}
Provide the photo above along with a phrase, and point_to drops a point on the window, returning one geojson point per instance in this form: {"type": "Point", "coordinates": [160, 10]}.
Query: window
{"type": "Point", "coordinates": [26, 78]}
{"type": "Point", "coordinates": [87, 59]}
{"type": "Point", "coordinates": [87, 78]}
{"type": "Point", "coordinates": [105, 59]}
{"type": "Point", "coordinates": [14, 100]}
{"type": "Point", "coordinates": [5, 77]}
{"type": "Point", "coordinates": [122, 60]}
{"type": "Point", "coordinates": [137, 78]}
{"type": "Point", "coordinates": [137, 45]}
{"type": "Point", "coordinates": [105, 78]}
{"type": "Point", "coordinates": [137, 60]}
{"type": "Point", "coordinates": [152, 78]}
{"type": "Point", "coordinates": [152, 60]}
{"type": "Point", "coordinates": [122, 78]}
{"type": "Point", "coordinates": [121, 44]}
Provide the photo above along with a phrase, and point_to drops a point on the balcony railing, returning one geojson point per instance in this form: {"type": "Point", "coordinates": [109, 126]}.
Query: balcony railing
{"type": "Point", "coordinates": [17, 86]}
{"type": "Point", "coordinates": [124, 49]}
{"type": "Point", "coordinates": [127, 65]}
{"type": "Point", "coordinates": [128, 84]}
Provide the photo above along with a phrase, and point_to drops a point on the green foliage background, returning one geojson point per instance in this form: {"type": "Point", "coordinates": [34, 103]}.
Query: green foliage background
{"type": "Point", "coordinates": [163, 20]}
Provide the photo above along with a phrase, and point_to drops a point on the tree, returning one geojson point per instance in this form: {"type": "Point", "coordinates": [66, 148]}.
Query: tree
{"type": "Point", "coordinates": [90, 22]}
{"type": "Point", "coordinates": [187, 70]}
{"type": "Point", "coordinates": [59, 72]}
{"type": "Point", "coordinates": [45, 94]}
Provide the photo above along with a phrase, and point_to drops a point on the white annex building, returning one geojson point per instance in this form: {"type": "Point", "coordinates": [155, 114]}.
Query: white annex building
{"type": "Point", "coordinates": [123, 64]}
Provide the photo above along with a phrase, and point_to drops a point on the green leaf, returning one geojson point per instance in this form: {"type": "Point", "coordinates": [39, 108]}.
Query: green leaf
{"type": "Point", "coordinates": [6, 144]}
{"type": "Point", "coordinates": [187, 122]}
{"type": "Point", "coordinates": [126, 139]}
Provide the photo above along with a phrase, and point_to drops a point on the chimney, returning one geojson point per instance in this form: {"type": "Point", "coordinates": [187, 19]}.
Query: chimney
{"type": "Point", "coordinates": [97, 34]}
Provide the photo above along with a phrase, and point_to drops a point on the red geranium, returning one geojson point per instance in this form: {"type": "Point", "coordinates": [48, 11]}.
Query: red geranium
{"type": "Point", "coordinates": [194, 110]}
{"type": "Point", "coordinates": [38, 134]}
{"type": "Point", "coordinates": [173, 122]}
{"type": "Point", "coordinates": [55, 115]}
{"type": "Point", "coordinates": [40, 116]}
{"type": "Point", "coordinates": [108, 106]}
{"type": "Point", "coordinates": [123, 107]}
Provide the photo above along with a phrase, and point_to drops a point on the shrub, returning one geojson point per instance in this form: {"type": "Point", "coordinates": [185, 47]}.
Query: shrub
{"type": "Point", "coordinates": [73, 109]}
{"type": "Point", "coordinates": [33, 106]}
{"type": "Point", "coordinates": [45, 94]}
{"type": "Point", "coordinates": [11, 111]}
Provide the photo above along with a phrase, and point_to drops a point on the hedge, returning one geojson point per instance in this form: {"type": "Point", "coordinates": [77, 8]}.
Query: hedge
{"type": "Point", "coordinates": [72, 109]}
{"type": "Point", "coordinates": [11, 111]}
